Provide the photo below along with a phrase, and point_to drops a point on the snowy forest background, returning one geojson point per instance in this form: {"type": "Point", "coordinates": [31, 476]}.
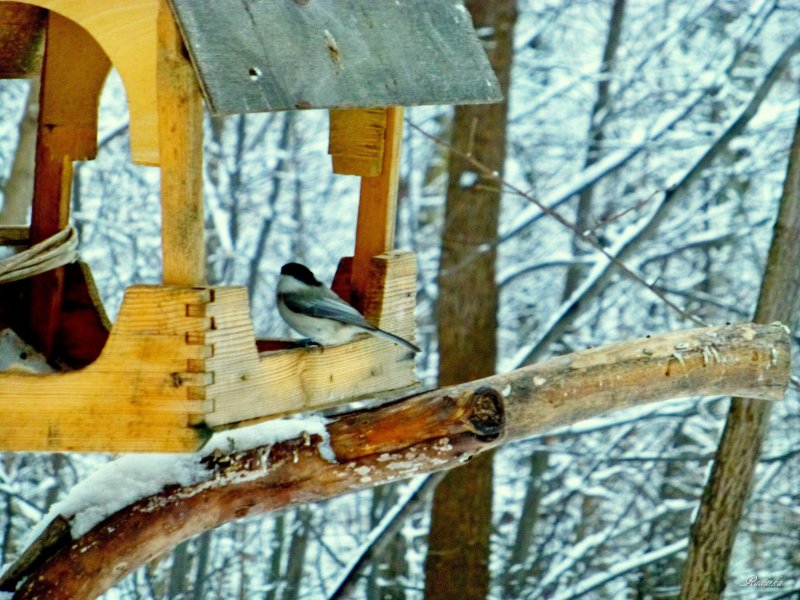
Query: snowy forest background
{"type": "Point", "coordinates": [602, 508]}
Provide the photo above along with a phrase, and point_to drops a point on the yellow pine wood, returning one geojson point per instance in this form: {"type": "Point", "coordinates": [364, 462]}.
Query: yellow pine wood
{"type": "Point", "coordinates": [135, 398]}
{"type": "Point", "coordinates": [391, 293]}
{"type": "Point", "coordinates": [357, 140]}
{"type": "Point", "coordinates": [126, 30]}
{"type": "Point", "coordinates": [73, 73]}
{"type": "Point", "coordinates": [182, 357]}
{"type": "Point", "coordinates": [248, 387]}
{"type": "Point", "coordinates": [180, 110]}
{"type": "Point", "coordinates": [378, 205]}
{"type": "Point", "coordinates": [21, 32]}
{"type": "Point", "coordinates": [14, 235]}
{"type": "Point", "coordinates": [298, 380]}
{"type": "Point", "coordinates": [73, 77]}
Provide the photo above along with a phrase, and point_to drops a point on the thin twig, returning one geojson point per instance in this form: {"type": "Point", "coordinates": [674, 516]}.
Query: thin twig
{"type": "Point", "coordinates": [583, 236]}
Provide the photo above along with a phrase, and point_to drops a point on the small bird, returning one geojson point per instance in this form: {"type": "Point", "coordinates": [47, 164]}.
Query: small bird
{"type": "Point", "coordinates": [309, 307]}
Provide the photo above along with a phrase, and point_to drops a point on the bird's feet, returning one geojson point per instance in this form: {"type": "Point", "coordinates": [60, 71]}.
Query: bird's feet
{"type": "Point", "coordinates": [307, 343]}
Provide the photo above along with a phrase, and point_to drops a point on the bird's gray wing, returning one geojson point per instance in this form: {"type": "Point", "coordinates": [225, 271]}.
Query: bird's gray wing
{"type": "Point", "coordinates": [328, 308]}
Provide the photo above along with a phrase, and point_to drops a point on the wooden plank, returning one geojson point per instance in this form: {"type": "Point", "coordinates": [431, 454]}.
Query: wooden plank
{"type": "Point", "coordinates": [21, 35]}
{"type": "Point", "coordinates": [392, 298]}
{"type": "Point", "coordinates": [377, 208]}
{"type": "Point", "coordinates": [140, 395]}
{"type": "Point", "coordinates": [280, 55]}
{"type": "Point", "coordinates": [248, 387]}
{"type": "Point", "coordinates": [181, 130]}
{"type": "Point", "coordinates": [73, 73]}
{"type": "Point", "coordinates": [180, 360]}
{"type": "Point", "coordinates": [357, 140]}
{"type": "Point", "coordinates": [126, 30]}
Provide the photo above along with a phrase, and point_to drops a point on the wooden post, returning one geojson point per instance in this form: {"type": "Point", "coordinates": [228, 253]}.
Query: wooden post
{"type": "Point", "coordinates": [377, 208]}
{"type": "Point", "coordinates": [180, 126]}
{"type": "Point", "coordinates": [73, 73]}
{"type": "Point", "coordinates": [366, 142]}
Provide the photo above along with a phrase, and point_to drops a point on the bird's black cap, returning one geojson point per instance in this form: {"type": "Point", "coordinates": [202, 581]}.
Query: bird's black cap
{"type": "Point", "coordinates": [299, 272]}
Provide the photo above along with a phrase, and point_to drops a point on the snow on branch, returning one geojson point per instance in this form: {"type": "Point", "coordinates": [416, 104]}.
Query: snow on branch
{"type": "Point", "coordinates": [256, 471]}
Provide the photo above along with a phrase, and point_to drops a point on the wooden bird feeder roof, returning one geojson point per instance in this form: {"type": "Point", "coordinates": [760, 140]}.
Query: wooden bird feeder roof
{"type": "Point", "coordinates": [288, 54]}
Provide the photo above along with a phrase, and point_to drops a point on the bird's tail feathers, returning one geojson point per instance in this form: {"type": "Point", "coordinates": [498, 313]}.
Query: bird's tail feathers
{"type": "Point", "coordinates": [396, 339]}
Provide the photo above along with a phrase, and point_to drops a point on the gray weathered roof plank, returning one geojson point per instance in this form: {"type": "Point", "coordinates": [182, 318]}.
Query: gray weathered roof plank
{"type": "Point", "coordinates": [265, 55]}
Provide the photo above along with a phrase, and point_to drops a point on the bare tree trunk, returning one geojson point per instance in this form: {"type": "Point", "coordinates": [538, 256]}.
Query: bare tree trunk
{"type": "Point", "coordinates": [297, 554]}
{"type": "Point", "coordinates": [570, 311]}
{"type": "Point", "coordinates": [214, 165]}
{"type": "Point", "coordinates": [181, 561]}
{"type": "Point", "coordinates": [457, 564]}
{"type": "Point", "coordinates": [274, 575]}
{"type": "Point", "coordinates": [384, 532]}
{"type": "Point", "coordinates": [227, 271]}
{"type": "Point", "coordinates": [282, 166]}
{"type": "Point", "coordinates": [658, 581]}
{"type": "Point", "coordinates": [18, 190]}
{"type": "Point", "coordinates": [201, 568]}
{"type": "Point", "coordinates": [385, 575]}
{"type": "Point", "coordinates": [516, 571]}
{"type": "Point", "coordinates": [728, 487]}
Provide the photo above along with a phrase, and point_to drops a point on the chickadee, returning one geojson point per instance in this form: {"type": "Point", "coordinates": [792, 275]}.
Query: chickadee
{"type": "Point", "coordinates": [311, 308]}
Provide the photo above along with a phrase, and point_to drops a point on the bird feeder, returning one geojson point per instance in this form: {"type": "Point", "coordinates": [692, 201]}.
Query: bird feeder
{"type": "Point", "coordinates": [181, 359]}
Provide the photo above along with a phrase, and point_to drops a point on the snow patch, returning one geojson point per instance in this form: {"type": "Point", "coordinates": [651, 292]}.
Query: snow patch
{"type": "Point", "coordinates": [443, 445]}
{"type": "Point", "coordinates": [467, 179]}
{"type": "Point", "coordinates": [404, 465]}
{"type": "Point", "coordinates": [135, 476]}
{"type": "Point", "coordinates": [19, 357]}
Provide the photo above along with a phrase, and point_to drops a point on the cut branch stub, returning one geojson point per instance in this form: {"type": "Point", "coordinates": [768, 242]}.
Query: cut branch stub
{"type": "Point", "coordinates": [476, 413]}
{"type": "Point", "coordinates": [488, 418]}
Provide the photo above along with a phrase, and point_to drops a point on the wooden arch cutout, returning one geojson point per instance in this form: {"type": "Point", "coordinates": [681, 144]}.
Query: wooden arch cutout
{"type": "Point", "coordinates": [127, 33]}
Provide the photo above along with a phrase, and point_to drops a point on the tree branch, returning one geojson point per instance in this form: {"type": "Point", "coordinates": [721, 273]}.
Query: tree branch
{"type": "Point", "coordinates": [426, 432]}
{"type": "Point", "coordinates": [597, 281]}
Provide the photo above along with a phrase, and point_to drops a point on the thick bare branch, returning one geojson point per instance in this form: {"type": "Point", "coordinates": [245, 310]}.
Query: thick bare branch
{"type": "Point", "coordinates": [427, 432]}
